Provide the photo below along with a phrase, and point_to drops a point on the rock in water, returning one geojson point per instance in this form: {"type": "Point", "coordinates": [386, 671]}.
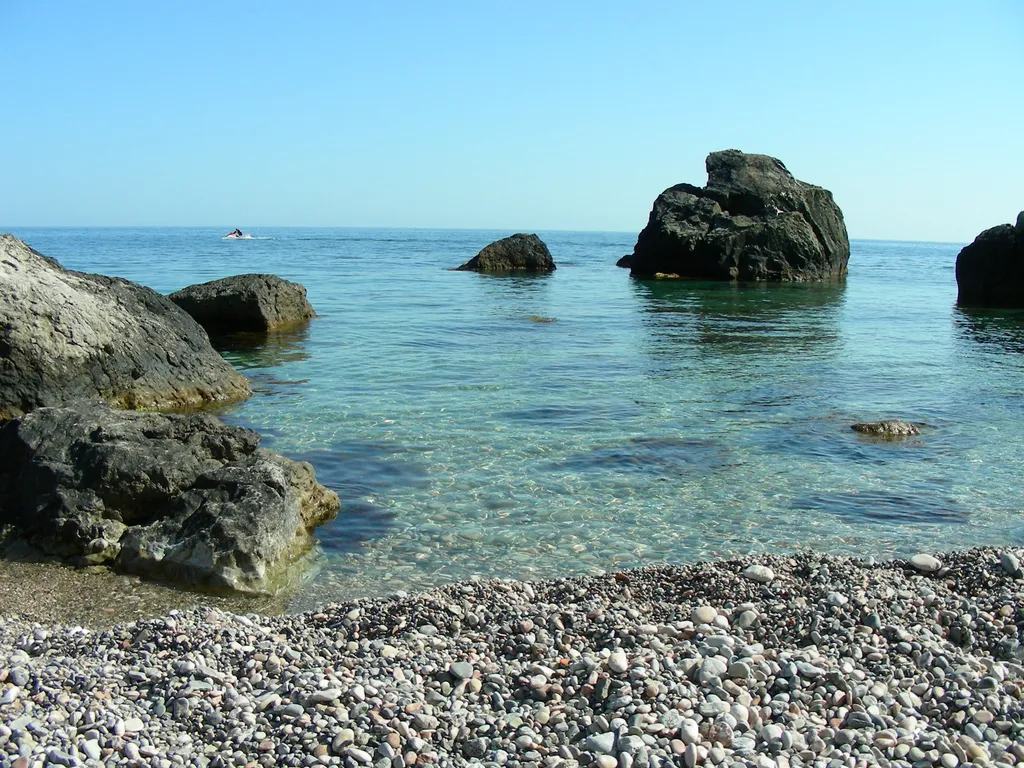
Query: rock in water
{"type": "Point", "coordinates": [753, 221]}
{"type": "Point", "coordinates": [518, 253]}
{"type": "Point", "coordinates": [245, 303]}
{"type": "Point", "coordinates": [68, 335]}
{"type": "Point", "coordinates": [888, 428]}
{"type": "Point", "coordinates": [175, 497]}
{"type": "Point", "coordinates": [990, 271]}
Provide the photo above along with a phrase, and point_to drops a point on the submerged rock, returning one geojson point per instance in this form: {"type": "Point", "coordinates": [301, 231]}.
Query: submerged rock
{"type": "Point", "coordinates": [990, 271]}
{"type": "Point", "coordinates": [245, 303]}
{"type": "Point", "coordinates": [517, 253]}
{"type": "Point", "coordinates": [173, 497]}
{"type": "Point", "coordinates": [752, 221]}
{"type": "Point", "coordinates": [888, 428]}
{"type": "Point", "coordinates": [68, 335]}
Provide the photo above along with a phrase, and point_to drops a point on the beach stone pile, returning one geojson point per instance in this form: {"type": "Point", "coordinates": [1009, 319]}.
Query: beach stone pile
{"type": "Point", "coordinates": [68, 335]}
{"type": "Point", "coordinates": [245, 303]}
{"type": "Point", "coordinates": [752, 221]}
{"type": "Point", "coordinates": [808, 660]}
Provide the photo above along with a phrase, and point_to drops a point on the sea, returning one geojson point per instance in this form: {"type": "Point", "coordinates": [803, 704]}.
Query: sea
{"type": "Point", "coordinates": [583, 421]}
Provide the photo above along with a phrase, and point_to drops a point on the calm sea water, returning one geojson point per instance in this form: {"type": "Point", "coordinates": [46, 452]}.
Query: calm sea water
{"type": "Point", "coordinates": [542, 426]}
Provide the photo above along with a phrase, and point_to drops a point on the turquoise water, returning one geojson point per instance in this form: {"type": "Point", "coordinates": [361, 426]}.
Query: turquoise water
{"type": "Point", "coordinates": [542, 426]}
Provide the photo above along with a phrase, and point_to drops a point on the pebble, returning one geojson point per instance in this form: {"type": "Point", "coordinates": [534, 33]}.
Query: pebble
{"type": "Point", "coordinates": [843, 665]}
{"type": "Point", "coordinates": [926, 563]}
{"type": "Point", "coordinates": [1010, 563]}
{"type": "Point", "coordinates": [617, 662]}
{"type": "Point", "coordinates": [762, 574]}
{"type": "Point", "coordinates": [704, 614]}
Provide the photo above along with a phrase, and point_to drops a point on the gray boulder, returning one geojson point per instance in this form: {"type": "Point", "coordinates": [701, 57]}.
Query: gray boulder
{"type": "Point", "coordinates": [752, 221]}
{"type": "Point", "coordinates": [173, 497]}
{"type": "Point", "coordinates": [245, 303]}
{"type": "Point", "coordinates": [517, 253]}
{"type": "Point", "coordinates": [67, 335]}
{"type": "Point", "coordinates": [990, 271]}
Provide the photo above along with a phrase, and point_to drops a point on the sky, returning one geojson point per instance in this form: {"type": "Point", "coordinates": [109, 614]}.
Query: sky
{"type": "Point", "coordinates": [519, 116]}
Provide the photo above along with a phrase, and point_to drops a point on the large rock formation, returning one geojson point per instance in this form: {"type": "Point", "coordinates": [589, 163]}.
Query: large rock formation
{"type": "Point", "coordinates": [753, 221]}
{"type": "Point", "coordinates": [173, 497]}
{"type": "Point", "coordinates": [517, 253]}
{"type": "Point", "coordinates": [990, 271]}
{"type": "Point", "coordinates": [66, 335]}
{"type": "Point", "coordinates": [245, 303]}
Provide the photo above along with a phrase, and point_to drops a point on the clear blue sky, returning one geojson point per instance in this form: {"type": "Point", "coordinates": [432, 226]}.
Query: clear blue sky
{"type": "Point", "coordinates": [526, 115]}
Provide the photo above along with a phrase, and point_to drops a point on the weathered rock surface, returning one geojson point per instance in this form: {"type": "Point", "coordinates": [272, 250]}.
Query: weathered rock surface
{"type": "Point", "coordinates": [67, 335]}
{"type": "Point", "coordinates": [245, 303]}
{"type": "Point", "coordinates": [888, 428]}
{"type": "Point", "coordinates": [517, 253]}
{"type": "Point", "coordinates": [753, 221]}
{"type": "Point", "coordinates": [173, 497]}
{"type": "Point", "coordinates": [990, 271]}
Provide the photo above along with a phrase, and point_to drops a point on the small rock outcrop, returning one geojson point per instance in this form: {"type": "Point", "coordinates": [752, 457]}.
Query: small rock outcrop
{"type": "Point", "coordinates": [990, 271]}
{"type": "Point", "coordinates": [68, 335]}
{"type": "Point", "coordinates": [172, 497]}
{"type": "Point", "coordinates": [518, 253]}
{"type": "Point", "coordinates": [889, 428]}
{"type": "Point", "coordinates": [752, 221]}
{"type": "Point", "coordinates": [245, 303]}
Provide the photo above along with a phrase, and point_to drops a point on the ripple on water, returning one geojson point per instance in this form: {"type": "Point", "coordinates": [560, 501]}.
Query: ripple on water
{"type": "Point", "coordinates": [833, 439]}
{"type": "Point", "coordinates": [569, 415]}
{"type": "Point", "coordinates": [878, 506]}
{"type": "Point", "coordinates": [652, 455]}
{"type": "Point", "coordinates": [362, 474]}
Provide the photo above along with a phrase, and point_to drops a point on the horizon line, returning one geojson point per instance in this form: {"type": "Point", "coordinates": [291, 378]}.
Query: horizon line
{"type": "Point", "coordinates": [7, 229]}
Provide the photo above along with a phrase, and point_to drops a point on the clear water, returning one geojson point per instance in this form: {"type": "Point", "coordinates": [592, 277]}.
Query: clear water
{"type": "Point", "coordinates": [543, 426]}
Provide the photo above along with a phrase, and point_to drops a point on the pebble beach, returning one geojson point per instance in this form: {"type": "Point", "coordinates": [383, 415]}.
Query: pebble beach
{"type": "Point", "coordinates": [809, 660]}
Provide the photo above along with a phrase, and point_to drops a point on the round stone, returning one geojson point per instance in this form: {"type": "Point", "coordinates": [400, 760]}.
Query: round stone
{"type": "Point", "coordinates": [762, 574]}
{"type": "Point", "coordinates": [704, 614]}
{"type": "Point", "coordinates": [926, 563]}
{"type": "Point", "coordinates": [617, 662]}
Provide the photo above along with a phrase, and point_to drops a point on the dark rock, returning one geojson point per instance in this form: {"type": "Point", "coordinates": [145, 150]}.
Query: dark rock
{"type": "Point", "coordinates": [990, 271]}
{"type": "Point", "coordinates": [625, 262]}
{"type": "Point", "coordinates": [68, 335]}
{"type": "Point", "coordinates": [173, 497]}
{"type": "Point", "coordinates": [888, 428]}
{"type": "Point", "coordinates": [753, 221]}
{"type": "Point", "coordinates": [245, 303]}
{"type": "Point", "coordinates": [517, 253]}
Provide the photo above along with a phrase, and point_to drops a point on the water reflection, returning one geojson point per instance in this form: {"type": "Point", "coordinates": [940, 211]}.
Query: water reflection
{"type": "Point", "coordinates": [518, 296]}
{"type": "Point", "coordinates": [743, 318]}
{"type": "Point", "coordinates": [267, 349]}
{"type": "Point", "coordinates": [1001, 330]}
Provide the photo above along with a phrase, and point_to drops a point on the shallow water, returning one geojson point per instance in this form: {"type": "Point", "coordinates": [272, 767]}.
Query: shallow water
{"type": "Point", "coordinates": [544, 426]}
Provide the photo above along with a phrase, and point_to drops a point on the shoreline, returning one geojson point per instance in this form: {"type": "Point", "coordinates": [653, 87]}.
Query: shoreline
{"type": "Point", "coordinates": [807, 659]}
